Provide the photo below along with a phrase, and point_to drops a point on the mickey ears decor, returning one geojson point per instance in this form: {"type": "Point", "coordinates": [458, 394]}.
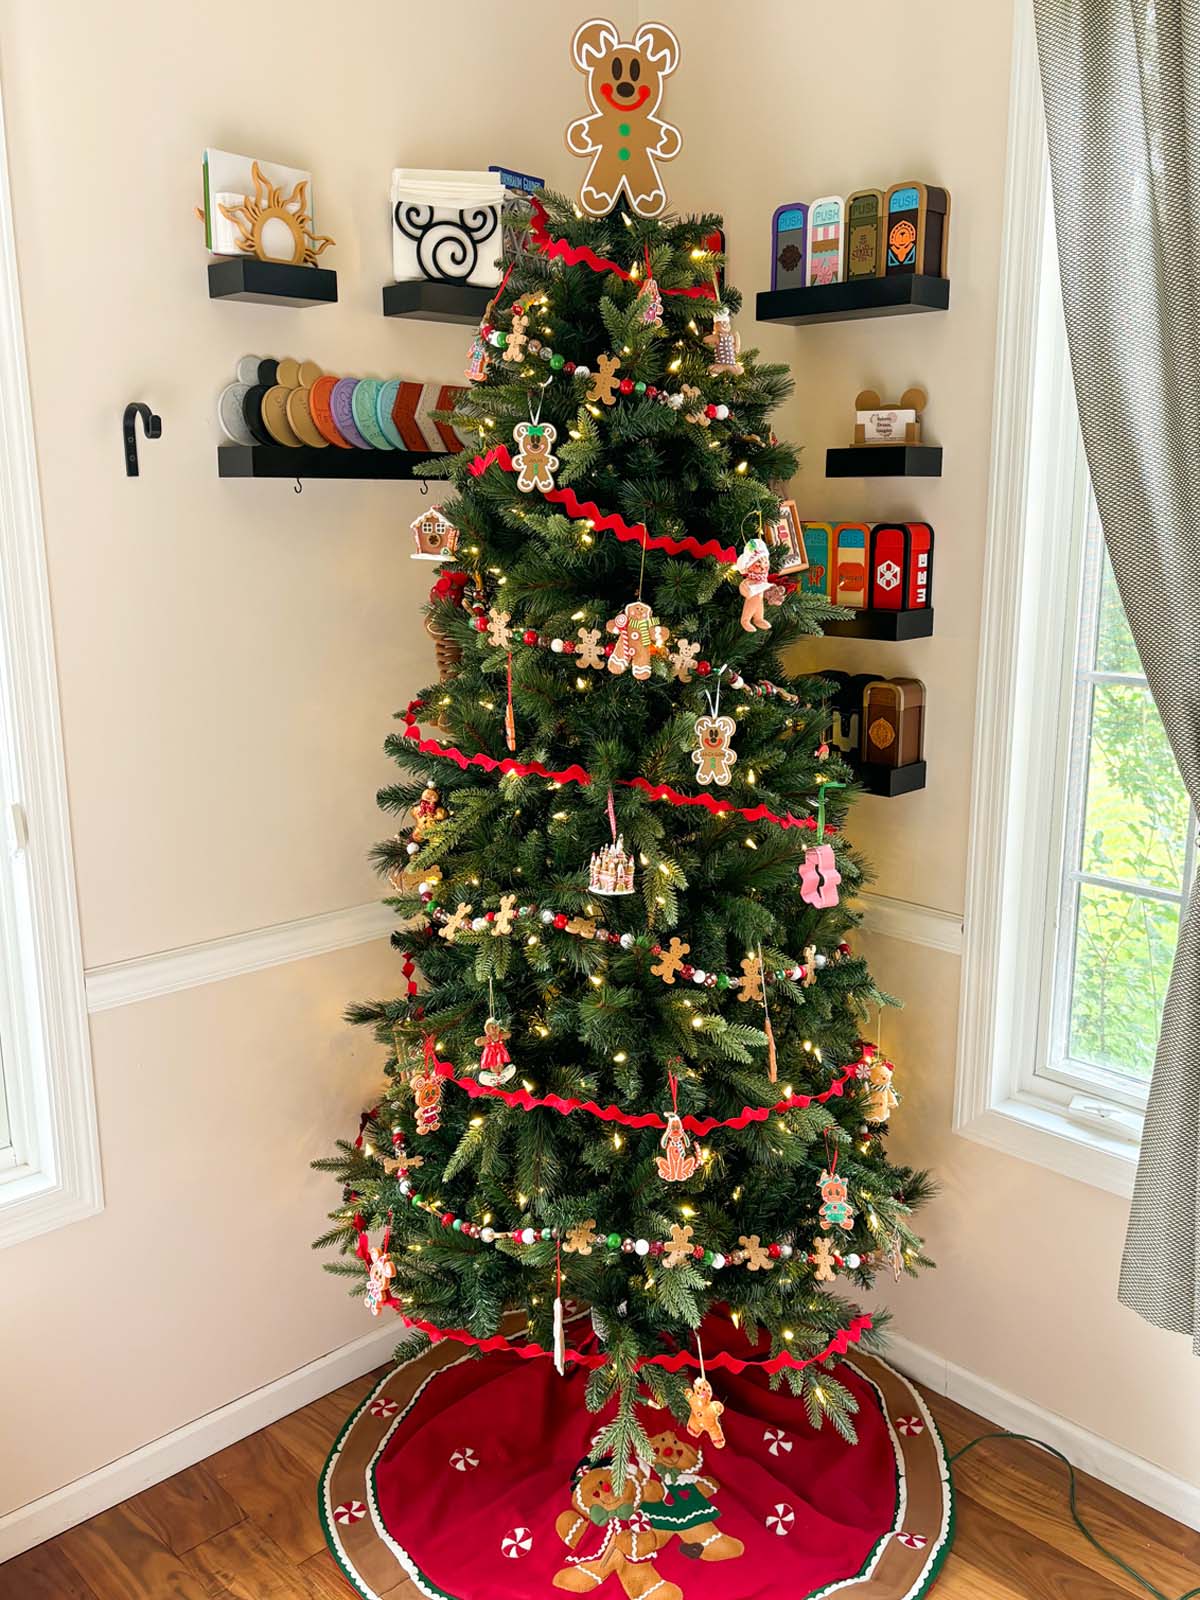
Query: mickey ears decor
{"type": "Point", "coordinates": [622, 134]}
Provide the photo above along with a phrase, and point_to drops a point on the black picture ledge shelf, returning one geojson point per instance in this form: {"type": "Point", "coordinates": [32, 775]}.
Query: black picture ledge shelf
{"type": "Point", "coordinates": [916, 623]}
{"type": "Point", "coordinates": [860, 297]}
{"type": "Point", "coordinates": [271, 283]}
{"type": "Point", "coordinates": [890, 782]}
{"type": "Point", "coordinates": [885, 461]}
{"type": "Point", "coordinates": [280, 461]}
{"type": "Point", "coordinates": [432, 301]}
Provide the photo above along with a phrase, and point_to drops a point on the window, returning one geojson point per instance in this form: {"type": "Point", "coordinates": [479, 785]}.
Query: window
{"type": "Point", "coordinates": [1082, 843]}
{"type": "Point", "coordinates": [49, 1160]}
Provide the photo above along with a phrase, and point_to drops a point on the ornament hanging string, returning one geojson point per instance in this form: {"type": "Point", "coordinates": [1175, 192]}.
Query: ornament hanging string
{"type": "Point", "coordinates": [612, 816]}
{"type": "Point", "coordinates": [821, 806]}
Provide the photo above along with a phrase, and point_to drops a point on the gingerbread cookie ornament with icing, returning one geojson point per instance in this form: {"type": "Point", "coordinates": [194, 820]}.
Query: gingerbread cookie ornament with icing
{"type": "Point", "coordinates": [622, 134]}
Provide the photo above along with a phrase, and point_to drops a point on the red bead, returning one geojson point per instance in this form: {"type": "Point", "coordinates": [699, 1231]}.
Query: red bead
{"type": "Point", "coordinates": [774, 1252]}
{"type": "Point", "coordinates": [568, 647]}
{"type": "Point", "coordinates": [704, 668]}
{"type": "Point", "coordinates": [490, 915]}
{"type": "Point", "coordinates": [447, 1219]}
{"type": "Point", "coordinates": [614, 938]}
{"type": "Point", "coordinates": [710, 411]}
{"type": "Point", "coordinates": [609, 648]}
{"type": "Point", "coordinates": [843, 949]}
{"type": "Point", "coordinates": [686, 971]}
{"type": "Point", "coordinates": [656, 949]}
{"type": "Point", "coordinates": [569, 367]}
{"type": "Point", "coordinates": [530, 636]}
{"type": "Point", "coordinates": [651, 391]}
{"type": "Point", "coordinates": [481, 624]}
{"type": "Point", "coordinates": [656, 1248]}
{"type": "Point", "coordinates": [626, 385]}
{"type": "Point", "coordinates": [698, 1252]}
{"type": "Point", "coordinates": [561, 920]}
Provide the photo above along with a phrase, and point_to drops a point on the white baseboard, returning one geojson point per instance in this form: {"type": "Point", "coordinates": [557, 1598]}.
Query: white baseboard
{"type": "Point", "coordinates": [86, 1497]}
{"type": "Point", "coordinates": [124, 982]}
{"type": "Point", "coordinates": [1132, 1474]}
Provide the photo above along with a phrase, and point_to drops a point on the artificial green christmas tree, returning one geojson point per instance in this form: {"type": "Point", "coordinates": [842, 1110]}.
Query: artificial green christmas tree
{"type": "Point", "coordinates": [612, 1115]}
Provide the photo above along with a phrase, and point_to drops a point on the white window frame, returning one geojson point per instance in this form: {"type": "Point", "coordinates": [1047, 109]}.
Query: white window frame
{"type": "Point", "coordinates": [52, 1177]}
{"type": "Point", "coordinates": [1032, 577]}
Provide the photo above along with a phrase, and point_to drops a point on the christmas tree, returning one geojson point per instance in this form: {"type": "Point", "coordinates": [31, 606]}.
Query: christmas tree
{"type": "Point", "coordinates": [631, 1097]}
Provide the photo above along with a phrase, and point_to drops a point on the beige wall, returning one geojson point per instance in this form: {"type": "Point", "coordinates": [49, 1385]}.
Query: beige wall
{"type": "Point", "coordinates": [230, 654]}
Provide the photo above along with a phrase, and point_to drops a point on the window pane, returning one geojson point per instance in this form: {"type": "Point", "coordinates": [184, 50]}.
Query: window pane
{"type": "Point", "coordinates": [1124, 947]}
{"type": "Point", "coordinates": [1115, 650]}
{"type": "Point", "coordinates": [1136, 820]}
{"type": "Point", "coordinates": [5, 1133]}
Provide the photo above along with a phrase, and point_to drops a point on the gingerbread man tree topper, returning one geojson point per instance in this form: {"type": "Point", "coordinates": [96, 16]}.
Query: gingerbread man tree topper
{"type": "Point", "coordinates": [622, 134]}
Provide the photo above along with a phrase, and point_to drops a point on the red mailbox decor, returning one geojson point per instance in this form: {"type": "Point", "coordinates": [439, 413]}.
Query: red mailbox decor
{"type": "Point", "coordinates": [901, 566]}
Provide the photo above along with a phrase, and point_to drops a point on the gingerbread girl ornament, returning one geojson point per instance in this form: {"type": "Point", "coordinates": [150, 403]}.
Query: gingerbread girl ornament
{"type": "Point", "coordinates": [495, 1063]}
{"type": "Point", "coordinates": [754, 564]}
{"type": "Point", "coordinates": [534, 461]}
{"type": "Point", "coordinates": [622, 134]}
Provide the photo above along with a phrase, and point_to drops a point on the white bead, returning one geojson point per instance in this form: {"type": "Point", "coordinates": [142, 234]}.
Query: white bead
{"type": "Point", "coordinates": [785, 1250]}
{"type": "Point", "coordinates": [853, 1262]}
{"type": "Point", "coordinates": [626, 941]}
{"type": "Point", "coordinates": [583, 372]}
{"type": "Point", "coordinates": [699, 975]}
{"type": "Point", "coordinates": [478, 924]}
{"type": "Point", "coordinates": [796, 974]}
{"type": "Point", "coordinates": [641, 1247]}
{"type": "Point", "coordinates": [405, 1186]}
{"type": "Point", "coordinates": [528, 1235]}
{"type": "Point", "coordinates": [556, 645]}
{"type": "Point", "coordinates": [547, 917]}
{"type": "Point", "coordinates": [488, 1235]}
{"type": "Point", "coordinates": [820, 961]}
{"type": "Point", "coordinates": [718, 1261]}
{"type": "Point", "coordinates": [424, 886]}
{"type": "Point", "coordinates": [412, 847]}
{"type": "Point", "coordinates": [722, 413]}
{"type": "Point", "coordinates": [675, 401]}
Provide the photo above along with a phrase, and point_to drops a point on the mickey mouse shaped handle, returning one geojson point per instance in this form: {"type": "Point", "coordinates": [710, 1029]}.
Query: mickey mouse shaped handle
{"type": "Point", "coordinates": [152, 425]}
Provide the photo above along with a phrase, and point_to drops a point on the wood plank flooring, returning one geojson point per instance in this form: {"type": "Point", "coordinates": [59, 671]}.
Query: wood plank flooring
{"type": "Point", "coordinates": [243, 1526]}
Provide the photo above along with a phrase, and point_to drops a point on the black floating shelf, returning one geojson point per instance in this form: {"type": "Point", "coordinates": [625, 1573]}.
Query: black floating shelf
{"type": "Point", "coordinates": [280, 461]}
{"type": "Point", "coordinates": [271, 283]}
{"type": "Point", "coordinates": [916, 623]}
{"type": "Point", "coordinates": [431, 301]}
{"type": "Point", "coordinates": [890, 781]}
{"type": "Point", "coordinates": [860, 297]}
{"type": "Point", "coordinates": [885, 461]}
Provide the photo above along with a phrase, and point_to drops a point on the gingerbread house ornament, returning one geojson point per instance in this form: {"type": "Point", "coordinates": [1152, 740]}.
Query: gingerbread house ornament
{"type": "Point", "coordinates": [434, 535]}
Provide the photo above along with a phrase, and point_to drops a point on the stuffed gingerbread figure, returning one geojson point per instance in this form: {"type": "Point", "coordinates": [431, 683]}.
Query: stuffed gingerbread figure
{"type": "Point", "coordinates": [687, 1498]}
{"type": "Point", "coordinates": [428, 810]}
{"type": "Point", "coordinates": [754, 564]}
{"type": "Point", "coordinates": [631, 1536]}
{"type": "Point", "coordinates": [639, 634]}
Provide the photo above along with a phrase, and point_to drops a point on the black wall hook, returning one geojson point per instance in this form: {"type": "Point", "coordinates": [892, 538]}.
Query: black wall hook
{"type": "Point", "coordinates": [152, 425]}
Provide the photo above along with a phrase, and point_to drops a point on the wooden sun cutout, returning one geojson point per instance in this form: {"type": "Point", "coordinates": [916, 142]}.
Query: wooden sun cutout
{"type": "Point", "coordinates": [275, 229]}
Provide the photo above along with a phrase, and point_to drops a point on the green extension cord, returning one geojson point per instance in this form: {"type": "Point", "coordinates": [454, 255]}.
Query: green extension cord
{"type": "Point", "coordinates": [1091, 1538]}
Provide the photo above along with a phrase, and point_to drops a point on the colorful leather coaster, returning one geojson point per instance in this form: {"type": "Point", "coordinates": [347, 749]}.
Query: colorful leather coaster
{"type": "Point", "coordinates": [268, 372]}
{"type": "Point", "coordinates": [309, 373]}
{"type": "Point", "coordinates": [301, 420]}
{"type": "Point", "coordinates": [447, 400]}
{"type": "Point", "coordinates": [384, 401]}
{"type": "Point", "coordinates": [252, 412]}
{"type": "Point", "coordinates": [342, 402]}
{"type": "Point", "coordinates": [230, 414]}
{"type": "Point", "coordinates": [321, 411]}
{"type": "Point", "coordinates": [404, 415]}
{"type": "Point", "coordinates": [289, 373]}
{"type": "Point", "coordinates": [362, 404]}
{"type": "Point", "coordinates": [247, 369]}
{"type": "Point", "coordinates": [275, 420]}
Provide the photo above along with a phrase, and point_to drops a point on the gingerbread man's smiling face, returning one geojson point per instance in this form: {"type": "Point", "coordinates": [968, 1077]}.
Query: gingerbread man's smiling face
{"type": "Point", "coordinates": [625, 77]}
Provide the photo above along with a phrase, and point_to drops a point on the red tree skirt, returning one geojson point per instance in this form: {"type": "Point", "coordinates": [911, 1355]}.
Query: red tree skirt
{"type": "Point", "coordinates": [454, 1481]}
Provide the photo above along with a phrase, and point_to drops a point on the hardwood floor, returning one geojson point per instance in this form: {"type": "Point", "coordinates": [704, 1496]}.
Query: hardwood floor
{"type": "Point", "coordinates": [243, 1526]}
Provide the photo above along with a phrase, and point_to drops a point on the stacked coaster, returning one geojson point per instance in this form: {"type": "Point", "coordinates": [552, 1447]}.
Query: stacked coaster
{"type": "Point", "coordinates": [293, 403]}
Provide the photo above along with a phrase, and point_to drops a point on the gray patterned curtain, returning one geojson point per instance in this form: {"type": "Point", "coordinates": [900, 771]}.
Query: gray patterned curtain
{"type": "Point", "coordinates": [1121, 82]}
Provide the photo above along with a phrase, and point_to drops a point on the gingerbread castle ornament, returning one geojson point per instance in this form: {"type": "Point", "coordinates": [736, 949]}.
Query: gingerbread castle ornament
{"type": "Point", "coordinates": [611, 870]}
{"type": "Point", "coordinates": [622, 133]}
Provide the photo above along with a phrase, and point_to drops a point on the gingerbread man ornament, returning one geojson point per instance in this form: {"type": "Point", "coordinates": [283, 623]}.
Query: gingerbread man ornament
{"type": "Point", "coordinates": [622, 134]}
{"type": "Point", "coordinates": [534, 461]}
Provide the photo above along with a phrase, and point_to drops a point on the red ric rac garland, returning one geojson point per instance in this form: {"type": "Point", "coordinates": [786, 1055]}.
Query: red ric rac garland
{"type": "Point", "coordinates": [584, 255]}
{"type": "Point", "coordinates": [576, 774]}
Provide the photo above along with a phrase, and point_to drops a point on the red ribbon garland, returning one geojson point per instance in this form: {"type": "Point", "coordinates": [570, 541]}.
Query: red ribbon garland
{"type": "Point", "coordinates": [610, 522]}
{"type": "Point", "coordinates": [565, 1104]}
{"type": "Point", "coordinates": [583, 255]}
{"type": "Point", "coordinates": [576, 774]}
{"type": "Point", "coordinates": [367, 1116]}
{"type": "Point", "coordinates": [722, 1361]}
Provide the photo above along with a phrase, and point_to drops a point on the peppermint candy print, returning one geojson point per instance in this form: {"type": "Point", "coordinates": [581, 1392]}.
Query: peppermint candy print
{"type": "Point", "coordinates": [384, 1408]}
{"type": "Point", "coordinates": [639, 1522]}
{"type": "Point", "coordinates": [781, 1519]}
{"type": "Point", "coordinates": [777, 1442]}
{"type": "Point", "coordinates": [464, 1460]}
{"type": "Point", "coordinates": [517, 1542]}
{"type": "Point", "coordinates": [350, 1511]}
{"type": "Point", "coordinates": [914, 1541]}
{"type": "Point", "coordinates": [910, 1425]}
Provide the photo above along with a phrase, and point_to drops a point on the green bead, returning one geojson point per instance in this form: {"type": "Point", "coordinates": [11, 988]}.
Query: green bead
{"type": "Point", "coordinates": [639, 387]}
{"type": "Point", "coordinates": [722, 980]}
{"type": "Point", "coordinates": [501, 340]}
{"type": "Point", "coordinates": [708, 1255]}
{"type": "Point", "coordinates": [545, 1233]}
{"type": "Point", "coordinates": [557, 363]}
{"type": "Point", "coordinates": [457, 1225]}
{"type": "Point", "coordinates": [417, 1198]}
{"type": "Point", "coordinates": [613, 1241]}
